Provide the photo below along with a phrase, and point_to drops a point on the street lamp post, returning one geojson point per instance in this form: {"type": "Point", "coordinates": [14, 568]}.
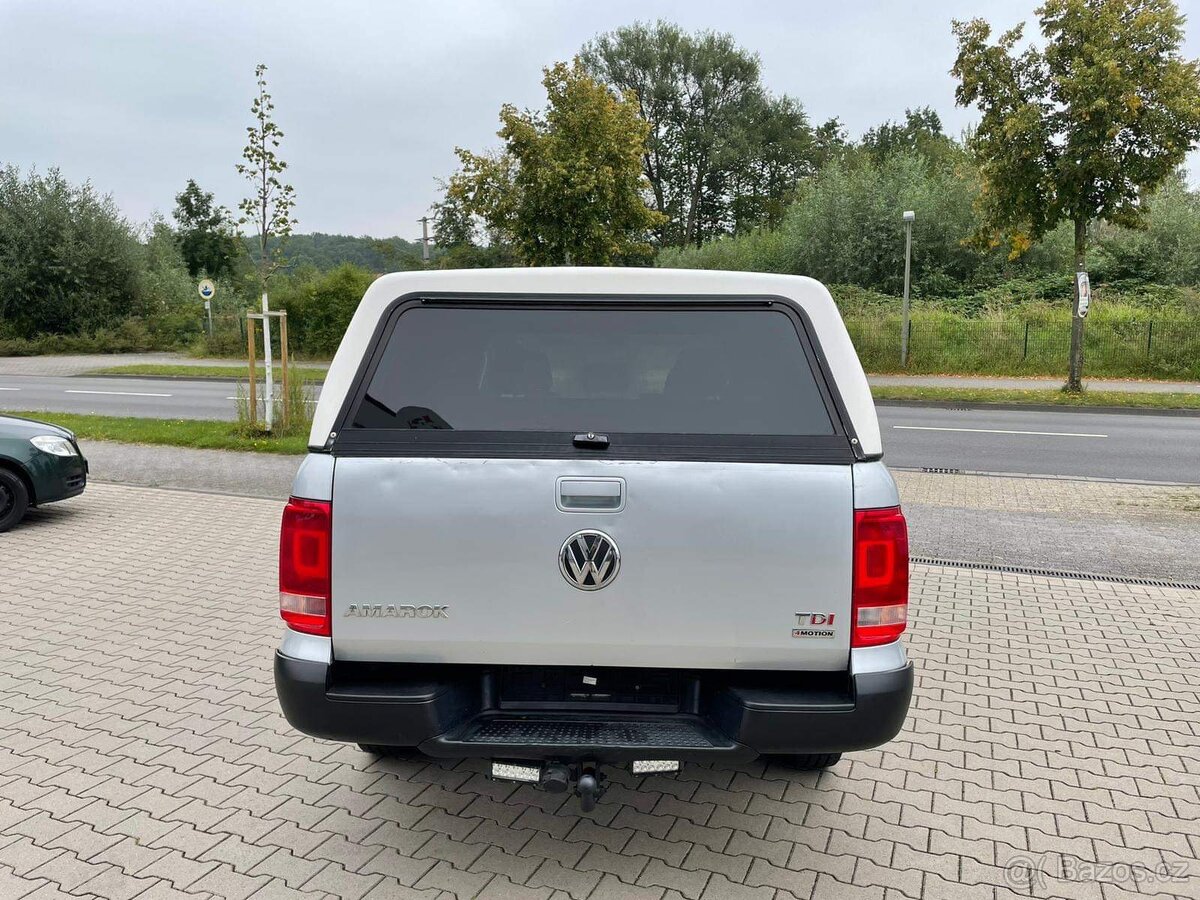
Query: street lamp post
{"type": "Point", "coordinates": [424, 220]}
{"type": "Point", "coordinates": [909, 216]}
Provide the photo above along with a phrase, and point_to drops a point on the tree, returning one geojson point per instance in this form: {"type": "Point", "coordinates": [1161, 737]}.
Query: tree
{"type": "Point", "coordinates": [269, 206]}
{"type": "Point", "coordinates": [69, 262]}
{"type": "Point", "coordinates": [567, 189]}
{"type": "Point", "coordinates": [921, 133]}
{"type": "Point", "coordinates": [205, 235]}
{"type": "Point", "coordinates": [1081, 130]}
{"type": "Point", "coordinates": [778, 154]}
{"type": "Point", "coordinates": [830, 143]}
{"type": "Point", "coordinates": [453, 223]}
{"type": "Point", "coordinates": [716, 137]}
{"type": "Point", "coordinates": [462, 242]}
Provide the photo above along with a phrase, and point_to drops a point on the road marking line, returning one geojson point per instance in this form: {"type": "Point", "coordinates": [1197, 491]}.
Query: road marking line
{"type": "Point", "coordinates": [120, 393]}
{"type": "Point", "coordinates": [9, 389]}
{"type": "Point", "coordinates": [1000, 431]}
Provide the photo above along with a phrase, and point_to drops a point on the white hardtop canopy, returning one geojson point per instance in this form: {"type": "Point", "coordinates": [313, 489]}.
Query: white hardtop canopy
{"type": "Point", "coordinates": [808, 294]}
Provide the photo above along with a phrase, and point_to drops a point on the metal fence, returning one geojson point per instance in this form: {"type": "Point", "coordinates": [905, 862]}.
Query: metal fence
{"type": "Point", "coordinates": [1160, 348]}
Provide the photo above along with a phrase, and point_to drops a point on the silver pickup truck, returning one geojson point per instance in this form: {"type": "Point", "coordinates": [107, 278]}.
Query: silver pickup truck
{"type": "Point", "coordinates": [560, 519]}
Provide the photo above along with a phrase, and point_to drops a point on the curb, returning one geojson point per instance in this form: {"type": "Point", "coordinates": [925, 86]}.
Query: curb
{"type": "Point", "coordinates": [1090, 479]}
{"type": "Point", "coordinates": [1040, 407]}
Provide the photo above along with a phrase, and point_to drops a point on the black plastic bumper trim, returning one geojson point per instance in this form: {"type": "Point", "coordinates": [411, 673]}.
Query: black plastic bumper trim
{"type": "Point", "coordinates": [444, 717]}
{"type": "Point", "coordinates": [411, 712]}
{"type": "Point", "coordinates": [874, 716]}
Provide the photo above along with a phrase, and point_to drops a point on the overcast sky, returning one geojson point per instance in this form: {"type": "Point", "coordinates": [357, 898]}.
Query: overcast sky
{"type": "Point", "coordinates": [374, 96]}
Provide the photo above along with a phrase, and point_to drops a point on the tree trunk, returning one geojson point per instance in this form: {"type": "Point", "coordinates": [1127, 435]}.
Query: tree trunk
{"type": "Point", "coordinates": [1075, 370]}
{"type": "Point", "coordinates": [660, 204]}
{"type": "Point", "coordinates": [691, 231]}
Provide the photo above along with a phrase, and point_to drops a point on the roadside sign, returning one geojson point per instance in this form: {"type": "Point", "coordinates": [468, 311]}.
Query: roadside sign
{"type": "Point", "coordinates": [1083, 288]}
{"type": "Point", "coordinates": [207, 289]}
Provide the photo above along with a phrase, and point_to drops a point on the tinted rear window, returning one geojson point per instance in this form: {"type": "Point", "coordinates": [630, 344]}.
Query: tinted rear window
{"type": "Point", "coordinates": [650, 371]}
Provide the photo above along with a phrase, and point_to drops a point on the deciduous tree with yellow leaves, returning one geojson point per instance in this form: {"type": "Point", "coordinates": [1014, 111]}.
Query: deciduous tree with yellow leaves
{"type": "Point", "coordinates": [568, 186]}
{"type": "Point", "coordinates": [1085, 127]}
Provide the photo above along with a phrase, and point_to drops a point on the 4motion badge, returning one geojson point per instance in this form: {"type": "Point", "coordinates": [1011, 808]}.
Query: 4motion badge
{"type": "Point", "coordinates": [814, 625]}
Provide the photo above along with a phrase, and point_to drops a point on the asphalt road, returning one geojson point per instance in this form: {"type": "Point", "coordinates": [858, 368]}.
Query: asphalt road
{"type": "Point", "coordinates": [1092, 445]}
{"type": "Point", "coordinates": [154, 398]}
{"type": "Point", "coordinates": [1120, 446]}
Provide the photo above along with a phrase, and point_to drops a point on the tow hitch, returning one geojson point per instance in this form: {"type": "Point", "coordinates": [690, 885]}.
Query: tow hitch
{"type": "Point", "coordinates": [585, 779]}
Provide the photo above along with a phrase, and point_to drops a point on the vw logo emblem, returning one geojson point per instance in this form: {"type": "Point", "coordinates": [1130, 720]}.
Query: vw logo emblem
{"type": "Point", "coordinates": [589, 560]}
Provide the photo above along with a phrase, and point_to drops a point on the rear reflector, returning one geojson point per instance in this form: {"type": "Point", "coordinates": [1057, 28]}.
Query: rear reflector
{"type": "Point", "coordinates": [880, 599]}
{"type": "Point", "coordinates": [516, 772]}
{"type": "Point", "coordinates": [653, 766]}
{"type": "Point", "coordinates": [305, 539]}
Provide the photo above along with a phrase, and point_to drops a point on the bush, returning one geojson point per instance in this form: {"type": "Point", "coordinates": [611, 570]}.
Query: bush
{"type": "Point", "coordinates": [227, 340]}
{"type": "Point", "coordinates": [167, 298]}
{"type": "Point", "coordinates": [846, 228]}
{"type": "Point", "coordinates": [128, 336]}
{"type": "Point", "coordinates": [69, 263]}
{"type": "Point", "coordinates": [76, 277]}
{"type": "Point", "coordinates": [1166, 252]}
{"type": "Point", "coordinates": [320, 305]}
{"type": "Point", "coordinates": [758, 251]}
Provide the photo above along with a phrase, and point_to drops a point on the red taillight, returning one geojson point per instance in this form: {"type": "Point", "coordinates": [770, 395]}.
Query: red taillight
{"type": "Point", "coordinates": [304, 552]}
{"type": "Point", "coordinates": [880, 604]}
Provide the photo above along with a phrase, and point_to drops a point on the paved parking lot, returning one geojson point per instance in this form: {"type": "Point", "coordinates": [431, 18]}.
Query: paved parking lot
{"type": "Point", "coordinates": [1064, 524]}
{"type": "Point", "coordinates": [1052, 749]}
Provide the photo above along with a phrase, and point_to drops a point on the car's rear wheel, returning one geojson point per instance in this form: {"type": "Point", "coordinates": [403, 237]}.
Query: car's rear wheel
{"type": "Point", "coordinates": [810, 762]}
{"type": "Point", "coordinates": [14, 499]}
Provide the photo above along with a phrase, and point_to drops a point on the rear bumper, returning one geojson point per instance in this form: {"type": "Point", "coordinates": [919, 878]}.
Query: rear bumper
{"type": "Point", "coordinates": [456, 712]}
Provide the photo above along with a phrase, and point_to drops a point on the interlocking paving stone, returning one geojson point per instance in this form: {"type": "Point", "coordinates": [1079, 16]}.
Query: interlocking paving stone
{"type": "Point", "coordinates": [1112, 528]}
{"type": "Point", "coordinates": [1055, 723]}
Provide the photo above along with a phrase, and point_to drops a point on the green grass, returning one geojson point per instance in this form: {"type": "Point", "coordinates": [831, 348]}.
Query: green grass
{"type": "Point", "coordinates": [169, 432]}
{"type": "Point", "coordinates": [1048, 397]}
{"type": "Point", "coordinates": [186, 371]}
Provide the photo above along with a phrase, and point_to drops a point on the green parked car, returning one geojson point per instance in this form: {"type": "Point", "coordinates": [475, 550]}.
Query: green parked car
{"type": "Point", "coordinates": [39, 463]}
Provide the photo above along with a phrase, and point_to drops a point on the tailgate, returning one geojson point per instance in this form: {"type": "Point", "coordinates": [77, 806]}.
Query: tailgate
{"type": "Point", "coordinates": [459, 560]}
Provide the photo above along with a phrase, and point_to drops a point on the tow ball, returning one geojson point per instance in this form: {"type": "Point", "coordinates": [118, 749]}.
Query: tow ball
{"type": "Point", "coordinates": [589, 787]}
{"type": "Point", "coordinates": [586, 779]}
